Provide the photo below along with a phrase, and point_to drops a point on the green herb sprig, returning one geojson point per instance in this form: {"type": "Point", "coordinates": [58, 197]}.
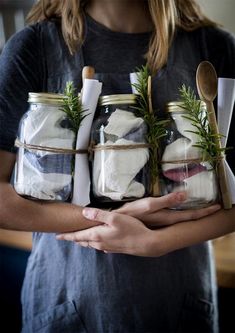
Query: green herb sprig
{"type": "Point", "coordinates": [199, 119]}
{"type": "Point", "coordinates": [72, 106]}
{"type": "Point", "coordinates": [156, 127]}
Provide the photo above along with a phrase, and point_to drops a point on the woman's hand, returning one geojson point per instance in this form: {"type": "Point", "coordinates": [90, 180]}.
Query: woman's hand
{"type": "Point", "coordinates": [123, 232]}
{"type": "Point", "coordinates": [154, 212]}
{"type": "Point", "coordinates": [119, 234]}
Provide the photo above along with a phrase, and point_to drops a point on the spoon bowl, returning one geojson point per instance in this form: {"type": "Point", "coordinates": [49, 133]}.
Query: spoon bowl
{"type": "Point", "coordinates": [207, 82]}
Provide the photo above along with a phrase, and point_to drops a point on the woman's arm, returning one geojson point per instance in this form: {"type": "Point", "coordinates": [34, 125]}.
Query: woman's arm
{"type": "Point", "coordinates": [193, 232]}
{"type": "Point", "coordinates": [121, 233]}
{"type": "Point", "coordinates": [18, 213]}
{"type": "Point", "coordinates": [153, 213]}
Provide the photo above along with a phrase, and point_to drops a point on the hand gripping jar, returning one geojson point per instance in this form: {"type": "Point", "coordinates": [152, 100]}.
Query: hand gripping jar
{"type": "Point", "coordinates": [183, 166]}
{"type": "Point", "coordinates": [43, 168]}
{"type": "Point", "coordinates": [120, 170]}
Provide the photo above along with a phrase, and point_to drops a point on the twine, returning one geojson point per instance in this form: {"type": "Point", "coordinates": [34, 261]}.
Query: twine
{"type": "Point", "coordinates": [119, 147]}
{"type": "Point", "coordinates": [20, 144]}
{"type": "Point", "coordinates": [27, 146]}
{"type": "Point", "coordinates": [193, 160]}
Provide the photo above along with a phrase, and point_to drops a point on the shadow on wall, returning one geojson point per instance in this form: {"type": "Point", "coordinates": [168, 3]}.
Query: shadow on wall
{"type": "Point", "coordinates": [220, 11]}
{"type": "Point", "coordinates": [12, 17]}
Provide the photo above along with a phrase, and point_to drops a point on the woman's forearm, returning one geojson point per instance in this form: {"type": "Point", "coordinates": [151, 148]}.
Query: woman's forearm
{"type": "Point", "coordinates": [17, 213]}
{"type": "Point", "coordinates": [189, 233]}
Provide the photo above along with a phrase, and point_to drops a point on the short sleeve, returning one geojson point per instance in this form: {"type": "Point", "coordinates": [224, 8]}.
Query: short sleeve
{"type": "Point", "coordinates": [21, 71]}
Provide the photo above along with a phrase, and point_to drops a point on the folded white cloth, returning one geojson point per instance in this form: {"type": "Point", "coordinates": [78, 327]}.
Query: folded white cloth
{"type": "Point", "coordinates": [40, 174]}
{"type": "Point", "coordinates": [184, 125]}
{"type": "Point", "coordinates": [43, 127]}
{"type": "Point", "coordinates": [187, 176]}
{"type": "Point", "coordinates": [202, 185]}
{"type": "Point", "coordinates": [114, 171]}
{"type": "Point", "coordinates": [45, 186]}
{"type": "Point", "coordinates": [122, 122]}
{"type": "Point", "coordinates": [114, 175]}
{"type": "Point", "coordinates": [180, 149]}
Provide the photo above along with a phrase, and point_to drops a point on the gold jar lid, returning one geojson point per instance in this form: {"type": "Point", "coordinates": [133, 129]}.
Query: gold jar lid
{"type": "Point", "coordinates": [178, 106]}
{"type": "Point", "coordinates": [118, 99]}
{"type": "Point", "coordinates": [45, 98]}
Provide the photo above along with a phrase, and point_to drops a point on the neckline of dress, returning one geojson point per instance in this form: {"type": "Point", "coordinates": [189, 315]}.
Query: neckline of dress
{"type": "Point", "coordinates": [100, 29]}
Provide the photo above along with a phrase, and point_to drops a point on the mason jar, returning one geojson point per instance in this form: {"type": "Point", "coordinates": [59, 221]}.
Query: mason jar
{"type": "Point", "coordinates": [44, 162]}
{"type": "Point", "coordinates": [184, 166]}
{"type": "Point", "coordinates": [120, 170]}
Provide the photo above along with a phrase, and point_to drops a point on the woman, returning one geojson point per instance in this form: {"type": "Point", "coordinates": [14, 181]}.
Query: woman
{"type": "Point", "coordinates": [69, 288]}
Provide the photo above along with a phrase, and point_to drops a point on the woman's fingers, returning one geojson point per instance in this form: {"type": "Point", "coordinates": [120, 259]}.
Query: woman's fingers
{"type": "Point", "coordinates": [99, 215]}
{"type": "Point", "coordinates": [153, 212]}
{"type": "Point", "coordinates": [118, 234]}
{"type": "Point", "coordinates": [91, 234]}
{"type": "Point", "coordinates": [150, 205]}
{"type": "Point", "coordinates": [167, 216]}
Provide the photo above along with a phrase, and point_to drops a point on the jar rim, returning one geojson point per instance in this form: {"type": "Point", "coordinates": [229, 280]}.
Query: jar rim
{"type": "Point", "coordinates": [118, 99]}
{"type": "Point", "coordinates": [178, 106]}
{"type": "Point", "coordinates": [45, 98]}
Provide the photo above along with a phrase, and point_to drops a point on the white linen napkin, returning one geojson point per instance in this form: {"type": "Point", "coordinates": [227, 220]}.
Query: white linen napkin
{"type": "Point", "coordinates": [114, 171]}
{"type": "Point", "coordinates": [40, 174]}
{"type": "Point", "coordinates": [114, 179]}
{"type": "Point", "coordinates": [122, 122]}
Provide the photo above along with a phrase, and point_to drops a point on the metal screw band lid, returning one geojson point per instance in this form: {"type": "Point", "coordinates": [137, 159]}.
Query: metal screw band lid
{"type": "Point", "coordinates": [45, 98]}
{"type": "Point", "coordinates": [118, 99]}
{"type": "Point", "coordinates": [178, 106]}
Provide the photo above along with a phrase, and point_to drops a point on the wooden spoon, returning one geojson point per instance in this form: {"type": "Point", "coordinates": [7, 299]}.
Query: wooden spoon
{"type": "Point", "coordinates": [207, 83]}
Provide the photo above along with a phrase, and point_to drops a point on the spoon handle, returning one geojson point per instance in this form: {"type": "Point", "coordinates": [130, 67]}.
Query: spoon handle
{"type": "Point", "coordinates": [155, 186]}
{"type": "Point", "coordinates": [88, 72]}
{"type": "Point", "coordinates": [223, 183]}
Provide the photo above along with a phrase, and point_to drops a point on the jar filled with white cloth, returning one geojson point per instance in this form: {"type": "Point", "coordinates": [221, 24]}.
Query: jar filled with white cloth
{"type": "Point", "coordinates": [120, 170]}
{"type": "Point", "coordinates": [45, 142]}
{"type": "Point", "coordinates": [184, 165]}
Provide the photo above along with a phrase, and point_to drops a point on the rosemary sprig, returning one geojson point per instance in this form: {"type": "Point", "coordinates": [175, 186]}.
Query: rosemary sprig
{"type": "Point", "coordinates": [72, 106]}
{"type": "Point", "coordinates": [142, 89]}
{"type": "Point", "coordinates": [156, 127]}
{"type": "Point", "coordinates": [199, 119]}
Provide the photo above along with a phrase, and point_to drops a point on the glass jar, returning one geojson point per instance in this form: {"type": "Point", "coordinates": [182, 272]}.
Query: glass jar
{"type": "Point", "coordinates": [120, 170]}
{"type": "Point", "coordinates": [183, 166]}
{"type": "Point", "coordinates": [43, 168]}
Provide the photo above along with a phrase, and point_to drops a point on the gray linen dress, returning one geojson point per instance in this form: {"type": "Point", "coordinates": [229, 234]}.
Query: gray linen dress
{"type": "Point", "coordinates": [71, 289]}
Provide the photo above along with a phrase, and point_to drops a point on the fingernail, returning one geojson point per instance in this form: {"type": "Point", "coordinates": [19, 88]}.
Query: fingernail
{"type": "Point", "coordinates": [89, 213]}
{"type": "Point", "coordinates": [181, 196]}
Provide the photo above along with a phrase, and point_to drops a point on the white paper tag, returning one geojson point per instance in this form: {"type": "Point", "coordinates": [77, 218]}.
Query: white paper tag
{"type": "Point", "coordinates": [81, 190]}
{"type": "Point", "coordinates": [226, 98]}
